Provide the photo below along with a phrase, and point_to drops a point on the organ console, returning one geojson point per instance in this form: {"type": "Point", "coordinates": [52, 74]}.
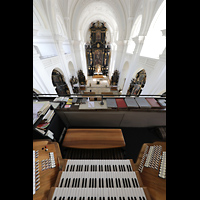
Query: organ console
{"type": "Point", "coordinates": [55, 178]}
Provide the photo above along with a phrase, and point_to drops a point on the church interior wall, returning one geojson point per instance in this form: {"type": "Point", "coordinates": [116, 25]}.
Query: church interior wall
{"type": "Point", "coordinates": [50, 21]}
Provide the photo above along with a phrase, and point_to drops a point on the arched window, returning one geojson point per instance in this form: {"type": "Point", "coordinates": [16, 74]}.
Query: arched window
{"type": "Point", "coordinates": [59, 82]}
{"type": "Point", "coordinates": [154, 42]}
{"type": "Point", "coordinates": [137, 83]}
{"type": "Point", "coordinates": [134, 32]}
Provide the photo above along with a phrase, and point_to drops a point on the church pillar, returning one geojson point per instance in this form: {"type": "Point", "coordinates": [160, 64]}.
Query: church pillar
{"type": "Point", "coordinates": [112, 59]}
{"type": "Point", "coordinates": [121, 80]}
{"type": "Point", "coordinates": [139, 40]}
{"type": "Point", "coordinates": [80, 56]}
{"type": "Point", "coordinates": [64, 65]}
{"type": "Point", "coordinates": [156, 82]}
{"type": "Point", "coordinates": [41, 80]}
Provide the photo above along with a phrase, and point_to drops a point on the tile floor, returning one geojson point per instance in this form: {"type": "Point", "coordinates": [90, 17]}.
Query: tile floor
{"type": "Point", "coordinates": [103, 85]}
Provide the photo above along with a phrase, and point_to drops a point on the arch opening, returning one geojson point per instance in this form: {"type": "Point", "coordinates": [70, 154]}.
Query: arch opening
{"type": "Point", "coordinates": [59, 83]}
{"type": "Point", "coordinates": [137, 83]}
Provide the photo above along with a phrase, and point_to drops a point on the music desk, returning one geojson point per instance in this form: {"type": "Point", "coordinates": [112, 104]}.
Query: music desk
{"type": "Point", "coordinates": [93, 138]}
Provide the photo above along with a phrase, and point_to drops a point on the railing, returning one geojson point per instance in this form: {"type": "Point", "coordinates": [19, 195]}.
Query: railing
{"type": "Point", "coordinates": [46, 96]}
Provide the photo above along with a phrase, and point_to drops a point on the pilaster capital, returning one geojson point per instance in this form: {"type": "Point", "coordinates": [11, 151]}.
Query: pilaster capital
{"type": "Point", "coordinates": [139, 39]}
{"type": "Point", "coordinates": [163, 32]}
{"type": "Point", "coordinates": [35, 31]}
{"type": "Point", "coordinates": [59, 38]}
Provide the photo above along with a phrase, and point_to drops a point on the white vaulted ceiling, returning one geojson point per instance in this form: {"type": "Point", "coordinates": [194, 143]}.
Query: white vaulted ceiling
{"type": "Point", "coordinates": [88, 11]}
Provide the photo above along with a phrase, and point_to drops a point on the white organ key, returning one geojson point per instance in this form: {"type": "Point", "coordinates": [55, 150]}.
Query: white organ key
{"type": "Point", "coordinates": [131, 193]}
{"type": "Point", "coordinates": [137, 194]}
{"type": "Point", "coordinates": [98, 193]}
{"type": "Point", "coordinates": [106, 193]}
{"type": "Point", "coordinates": [83, 192]}
{"type": "Point", "coordinates": [143, 194]}
{"type": "Point", "coordinates": [62, 193]}
{"type": "Point", "coordinates": [56, 193]}
{"type": "Point", "coordinates": [95, 193]}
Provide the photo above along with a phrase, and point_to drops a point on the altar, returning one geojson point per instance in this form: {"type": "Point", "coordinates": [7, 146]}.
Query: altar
{"type": "Point", "coordinates": [97, 50]}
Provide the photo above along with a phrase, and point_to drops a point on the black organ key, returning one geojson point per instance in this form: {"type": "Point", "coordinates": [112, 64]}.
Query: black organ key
{"type": "Point", "coordinates": [90, 182]}
{"type": "Point", "coordinates": [78, 182]}
{"type": "Point", "coordinates": [119, 182]}
{"type": "Point", "coordinates": [136, 182]}
{"type": "Point", "coordinates": [129, 184]}
{"type": "Point", "coordinates": [73, 182]}
{"type": "Point", "coordinates": [67, 167]}
{"type": "Point", "coordinates": [99, 182]}
{"type": "Point", "coordinates": [113, 168]}
{"type": "Point", "coordinates": [116, 182]}
{"type": "Point", "coordinates": [126, 182]}
{"type": "Point", "coordinates": [83, 182]}
{"type": "Point", "coordinates": [109, 181]}
{"type": "Point", "coordinates": [133, 182]}
{"type": "Point", "coordinates": [65, 182]}
{"type": "Point", "coordinates": [61, 182]}
{"type": "Point", "coordinates": [95, 183]}
{"type": "Point", "coordinates": [69, 182]}
{"type": "Point", "coordinates": [106, 182]}
{"type": "Point", "coordinates": [112, 183]}
{"type": "Point", "coordinates": [123, 182]}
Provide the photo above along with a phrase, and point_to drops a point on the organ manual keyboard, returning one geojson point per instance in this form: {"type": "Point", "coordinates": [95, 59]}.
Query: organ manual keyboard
{"type": "Point", "coordinates": [98, 180]}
